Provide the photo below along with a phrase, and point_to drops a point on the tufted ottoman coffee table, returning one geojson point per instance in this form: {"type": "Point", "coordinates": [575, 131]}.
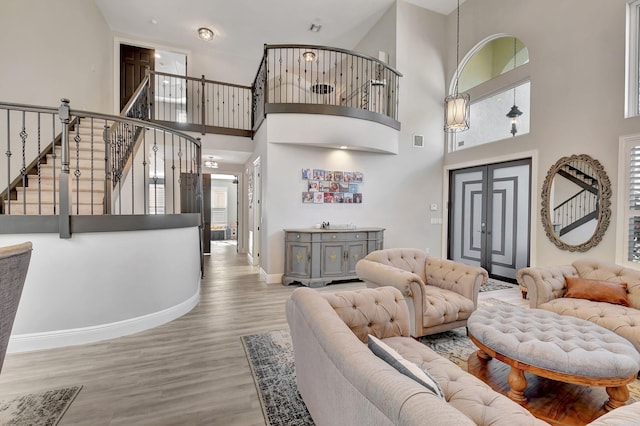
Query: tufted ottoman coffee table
{"type": "Point", "coordinates": [557, 347]}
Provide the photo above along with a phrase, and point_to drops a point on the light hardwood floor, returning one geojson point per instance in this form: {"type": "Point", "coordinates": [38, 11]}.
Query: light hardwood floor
{"type": "Point", "coordinates": [192, 371]}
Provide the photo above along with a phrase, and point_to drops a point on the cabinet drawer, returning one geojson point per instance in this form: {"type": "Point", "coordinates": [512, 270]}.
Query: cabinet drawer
{"type": "Point", "coordinates": [344, 236]}
{"type": "Point", "coordinates": [298, 236]}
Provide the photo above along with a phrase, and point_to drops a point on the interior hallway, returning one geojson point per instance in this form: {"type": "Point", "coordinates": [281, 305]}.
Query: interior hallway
{"type": "Point", "coordinates": [191, 371]}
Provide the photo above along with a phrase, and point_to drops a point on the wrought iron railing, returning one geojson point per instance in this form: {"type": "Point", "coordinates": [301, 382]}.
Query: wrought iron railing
{"type": "Point", "coordinates": [199, 105]}
{"type": "Point", "coordinates": [327, 81]}
{"type": "Point", "coordinates": [569, 214]}
{"type": "Point", "coordinates": [78, 164]}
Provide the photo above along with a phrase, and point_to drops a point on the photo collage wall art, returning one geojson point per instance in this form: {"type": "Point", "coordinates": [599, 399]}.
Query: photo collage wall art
{"type": "Point", "coordinates": [329, 186]}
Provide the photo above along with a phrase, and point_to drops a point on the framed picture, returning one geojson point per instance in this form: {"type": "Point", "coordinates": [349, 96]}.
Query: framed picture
{"type": "Point", "coordinates": [313, 186]}
{"type": "Point", "coordinates": [328, 175]}
{"type": "Point", "coordinates": [318, 174]}
{"type": "Point", "coordinates": [344, 187]}
{"type": "Point", "coordinates": [306, 174]}
{"type": "Point", "coordinates": [353, 188]}
{"type": "Point", "coordinates": [338, 177]}
{"type": "Point", "coordinates": [328, 197]}
{"type": "Point", "coordinates": [348, 176]}
{"type": "Point", "coordinates": [324, 186]}
{"type": "Point", "coordinates": [338, 197]}
{"type": "Point", "coordinates": [357, 198]}
{"type": "Point", "coordinates": [348, 197]}
{"type": "Point", "coordinates": [307, 197]}
{"type": "Point", "coordinates": [334, 187]}
{"type": "Point", "coordinates": [358, 177]}
{"type": "Point", "coordinates": [318, 197]}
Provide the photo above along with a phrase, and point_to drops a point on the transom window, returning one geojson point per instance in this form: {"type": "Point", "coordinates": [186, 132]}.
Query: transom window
{"type": "Point", "coordinates": [496, 76]}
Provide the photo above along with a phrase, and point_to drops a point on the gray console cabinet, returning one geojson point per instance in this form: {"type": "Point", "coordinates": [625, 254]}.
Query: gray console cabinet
{"type": "Point", "coordinates": [316, 257]}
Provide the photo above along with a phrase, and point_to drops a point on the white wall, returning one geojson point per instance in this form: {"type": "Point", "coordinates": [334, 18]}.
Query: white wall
{"type": "Point", "coordinates": [131, 281]}
{"type": "Point", "coordinates": [577, 62]}
{"type": "Point", "coordinates": [382, 37]}
{"type": "Point", "coordinates": [51, 50]}
{"type": "Point", "coordinates": [43, 43]}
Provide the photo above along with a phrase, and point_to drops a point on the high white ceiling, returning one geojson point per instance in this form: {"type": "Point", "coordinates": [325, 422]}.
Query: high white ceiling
{"type": "Point", "coordinates": [242, 27]}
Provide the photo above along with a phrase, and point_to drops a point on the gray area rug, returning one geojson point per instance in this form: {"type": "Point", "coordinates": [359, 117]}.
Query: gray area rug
{"type": "Point", "coordinates": [271, 359]}
{"type": "Point", "coordinates": [492, 285]}
{"type": "Point", "coordinates": [39, 409]}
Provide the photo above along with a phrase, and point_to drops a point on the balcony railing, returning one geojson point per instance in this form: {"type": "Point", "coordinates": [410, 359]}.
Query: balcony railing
{"type": "Point", "coordinates": [325, 80]}
{"type": "Point", "coordinates": [199, 105]}
{"type": "Point", "coordinates": [65, 162]}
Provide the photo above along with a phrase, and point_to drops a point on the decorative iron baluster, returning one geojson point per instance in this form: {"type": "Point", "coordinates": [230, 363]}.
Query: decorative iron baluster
{"type": "Point", "coordinates": [23, 168]}
{"type": "Point", "coordinates": [77, 171]}
{"type": "Point", "coordinates": [8, 154]}
{"type": "Point", "coordinates": [38, 162]}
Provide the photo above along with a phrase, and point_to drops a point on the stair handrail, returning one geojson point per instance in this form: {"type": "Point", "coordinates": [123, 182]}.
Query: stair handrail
{"type": "Point", "coordinates": [570, 204]}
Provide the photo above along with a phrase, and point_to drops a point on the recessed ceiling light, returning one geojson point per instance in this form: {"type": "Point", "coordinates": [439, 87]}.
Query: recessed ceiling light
{"type": "Point", "coordinates": [309, 56]}
{"type": "Point", "coordinates": [205, 33]}
{"type": "Point", "coordinates": [344, 147]}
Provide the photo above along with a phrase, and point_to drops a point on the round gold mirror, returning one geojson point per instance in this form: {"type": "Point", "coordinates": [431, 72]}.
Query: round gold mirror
{"type": "Point", "coordinates": [576, 200]}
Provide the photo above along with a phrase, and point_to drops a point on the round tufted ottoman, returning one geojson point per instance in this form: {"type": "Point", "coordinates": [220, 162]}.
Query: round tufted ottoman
{"type": "Point", "coordinates": [554, 346]}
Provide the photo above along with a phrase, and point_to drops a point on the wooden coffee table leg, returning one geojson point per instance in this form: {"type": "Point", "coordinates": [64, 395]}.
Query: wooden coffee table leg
{"type": "Point", "coordinates": [483, 355]}
{"type": "Point", "coordinates": [618, 397]}
{"type": "Point", "coordinates": [518, 384]}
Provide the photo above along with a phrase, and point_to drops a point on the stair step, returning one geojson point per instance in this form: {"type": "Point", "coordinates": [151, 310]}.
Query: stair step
{"type": "Point", "coordinates": [49, 196]}
{"type": "Point", "coordinates": [46, 183]}
{"type": "Point", "coordinates": [84, 161]}
{"type": "Point", "coordinates": [47, 209]}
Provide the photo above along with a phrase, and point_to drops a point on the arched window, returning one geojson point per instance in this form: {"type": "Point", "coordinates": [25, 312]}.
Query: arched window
{"type": "Point", "coordinates": [496, 75]}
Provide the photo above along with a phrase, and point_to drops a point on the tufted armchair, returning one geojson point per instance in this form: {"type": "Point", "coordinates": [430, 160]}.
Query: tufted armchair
{"type": "Point", "coordinates": [440, 293]}
{"type": "Point", "coordinates": [546, 287]}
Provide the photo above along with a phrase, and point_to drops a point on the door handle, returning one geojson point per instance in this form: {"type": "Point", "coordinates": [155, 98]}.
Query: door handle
{"type": "Point", "coordinates": [483, 228]}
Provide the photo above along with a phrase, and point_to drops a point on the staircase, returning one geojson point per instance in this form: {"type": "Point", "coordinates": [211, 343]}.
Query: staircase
{"type": "Point", "coordinates": [580, 208]}
{"type": "Point", "coordinates": [87, 172]}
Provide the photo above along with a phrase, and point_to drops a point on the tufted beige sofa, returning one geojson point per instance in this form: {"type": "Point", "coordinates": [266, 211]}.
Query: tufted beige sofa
{"type": "Point", "coordinates": [440, 293]}
{"type": "Point", "coordinates": [343, 383]}
{"type": "Point", "coordinates": [546, 287]}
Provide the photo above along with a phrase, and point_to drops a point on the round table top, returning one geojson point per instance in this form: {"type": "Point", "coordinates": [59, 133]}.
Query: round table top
{"type": "Point", "coordinates": [554, 342]}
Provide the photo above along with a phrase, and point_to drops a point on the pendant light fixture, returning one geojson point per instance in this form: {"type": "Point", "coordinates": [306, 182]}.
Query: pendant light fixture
{"type": "Point", "coordinates": [514, 113]}
{"type": "Point", "coordinates": [456, 106]}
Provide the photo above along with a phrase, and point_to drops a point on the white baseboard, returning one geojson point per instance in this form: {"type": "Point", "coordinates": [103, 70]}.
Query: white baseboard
{"type": "Point", "coordinates": [270, 278]}
{"type": "Point", "coordinates": [81, 336]}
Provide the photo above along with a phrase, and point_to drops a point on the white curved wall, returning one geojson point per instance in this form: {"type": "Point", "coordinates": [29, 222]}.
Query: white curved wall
{"type": "Point", "coordinates": [97, 286]}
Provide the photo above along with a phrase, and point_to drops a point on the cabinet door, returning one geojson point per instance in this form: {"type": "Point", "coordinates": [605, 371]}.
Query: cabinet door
{"type": "Point", "coordinates": [298, 259]}
{"type": "Point", "coordinates": [332, 259]}
{"type": "Point", "coordinates": [355, 252]}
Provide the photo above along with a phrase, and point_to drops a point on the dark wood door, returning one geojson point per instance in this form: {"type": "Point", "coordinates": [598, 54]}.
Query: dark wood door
{"type": "Point", "coordinates": [206, 204]}
{"type": "Point", "coordinates": [134, 62]}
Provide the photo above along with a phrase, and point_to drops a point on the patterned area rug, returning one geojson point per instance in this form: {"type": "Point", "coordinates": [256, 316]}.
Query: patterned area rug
{"type": "Point", "coordinates": [271, 359]}
{"type": "Point", "coordinates": [41, 409]}
{"type": "Point", "coordinates": [492, 285]}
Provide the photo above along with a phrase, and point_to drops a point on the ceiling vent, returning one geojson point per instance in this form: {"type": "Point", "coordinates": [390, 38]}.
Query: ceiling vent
{"type": "Point", "coordinates": [315, 28]}
{"type": "Point", "coordinates": [418, 141]}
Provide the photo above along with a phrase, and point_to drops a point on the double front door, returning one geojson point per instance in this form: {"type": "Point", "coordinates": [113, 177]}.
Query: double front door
{"type": "Point", "coordinates": [489, 217]}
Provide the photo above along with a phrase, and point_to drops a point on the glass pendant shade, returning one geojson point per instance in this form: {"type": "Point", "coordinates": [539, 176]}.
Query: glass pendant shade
{"type": "Point", "coordinates": [456, 113]}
